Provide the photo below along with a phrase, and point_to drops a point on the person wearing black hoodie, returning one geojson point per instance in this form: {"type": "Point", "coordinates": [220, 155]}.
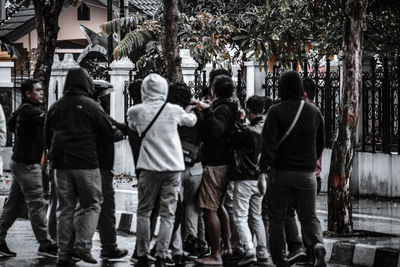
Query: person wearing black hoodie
{"type": "Point", "coordinates": [27, 185]}
{"type": "Point", "coordinates": [291, 168]}
{"type": "Point", "coordinates": [75, 126]}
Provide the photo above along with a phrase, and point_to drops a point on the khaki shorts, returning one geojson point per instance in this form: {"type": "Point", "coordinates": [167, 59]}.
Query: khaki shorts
{"type": "Point", "coordinates": [213, 186]}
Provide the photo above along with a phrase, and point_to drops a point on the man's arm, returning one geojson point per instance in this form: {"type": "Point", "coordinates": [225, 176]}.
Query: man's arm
{"type": "Point", "coordinates": [320, 137]}
{"type": "Point", "coordinates": [270, 137]}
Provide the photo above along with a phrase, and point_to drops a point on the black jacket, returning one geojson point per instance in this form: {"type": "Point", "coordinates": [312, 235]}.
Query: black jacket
{"type": "Point", "coordinates": [192, 134]}
{"type": "Point", "coordinates": [303, 146]}
{"type": "Point", "coordinates": [27, 124]}
{"type": "Point", "coordinates": [248, 144]}
{"type": "Point", "coordinates": [76, 125]}
{"type": "Point", "coordinates": [219, 120]}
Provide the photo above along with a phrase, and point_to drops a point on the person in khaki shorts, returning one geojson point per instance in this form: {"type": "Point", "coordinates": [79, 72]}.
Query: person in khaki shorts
{"type": "Point", "coordinates": [219, 120]}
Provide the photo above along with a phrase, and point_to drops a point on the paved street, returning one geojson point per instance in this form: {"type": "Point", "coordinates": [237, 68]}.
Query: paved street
{"type": "Point", "coordinates": [21, 240]}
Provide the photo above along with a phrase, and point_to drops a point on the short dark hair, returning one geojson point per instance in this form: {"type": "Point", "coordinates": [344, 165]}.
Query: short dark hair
{"type": "Point", "coordinates": [268, 103]}
{"type": "Point", "coordinates": [179, 93]}
{"type": "Point", "coordinates": [134, 90]}
{"type": "Point", "coordinates": [255, 104]}
{"type": "Point", "coordinates": [223, 86]}
{"type": "Point", "coordinates": [27, 85]}
{"type": "Point", "coordinates": [216, 72]}
{"type": "Point", "coordinates": [309, 88]}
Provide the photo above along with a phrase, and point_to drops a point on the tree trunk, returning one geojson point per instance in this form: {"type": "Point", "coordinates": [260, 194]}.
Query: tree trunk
{"type": "Point", "coordinates": [170, 44]}
{"type": "Point", "coordinates": [47, 14]}
{"type": "Point", "coordinates": [339, 201]}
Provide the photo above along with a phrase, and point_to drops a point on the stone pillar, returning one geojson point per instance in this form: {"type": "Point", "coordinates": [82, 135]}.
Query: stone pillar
{"type": "Point", "coordinates": [189, 66]}
{"type": "Point", "coordinates": [58, 74]}
{"type": "Point", "coordinates": [123, 160]}
{"type": "Point", "coordinates": [5, 74]}
{"type": "Point", "coordinates": [254, 78]}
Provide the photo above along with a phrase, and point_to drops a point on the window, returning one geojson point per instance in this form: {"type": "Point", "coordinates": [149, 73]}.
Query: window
{"type": "Point", "coordinates": [83, 12]}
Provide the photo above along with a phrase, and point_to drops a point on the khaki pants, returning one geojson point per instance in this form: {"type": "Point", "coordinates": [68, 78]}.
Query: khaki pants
{"type": "Point", "coordinates": [150, 185]}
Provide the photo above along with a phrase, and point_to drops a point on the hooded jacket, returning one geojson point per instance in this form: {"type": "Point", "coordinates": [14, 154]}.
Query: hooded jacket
{"type": "Point", "coordinates": [304, 145]}
{"type": "Point", "coordinates": [161, 148]}
{"type": "Point", "coordinates": [76, 125]}
{"type": "Point", "coordinates": [27, 124]}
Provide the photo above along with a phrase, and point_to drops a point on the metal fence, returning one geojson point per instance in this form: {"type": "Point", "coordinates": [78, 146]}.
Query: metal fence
{"type": "Point", "coordinates": [380, 104]}
{"type": "Point", "coordinates": [327, 96]}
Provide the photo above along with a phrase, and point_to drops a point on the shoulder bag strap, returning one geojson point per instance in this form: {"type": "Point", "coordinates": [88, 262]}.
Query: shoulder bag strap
{"type": "Point", "coordinates": [152, 122]}
{"type": "Point", "coordinates": [296, 118]}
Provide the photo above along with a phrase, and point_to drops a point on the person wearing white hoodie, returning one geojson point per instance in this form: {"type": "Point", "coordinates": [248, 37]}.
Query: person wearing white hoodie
{"type": "Point", "coordinates": [160, 161]}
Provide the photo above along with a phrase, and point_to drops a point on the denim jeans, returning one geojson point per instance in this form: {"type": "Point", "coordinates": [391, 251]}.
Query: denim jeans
{"type": "Point", "coordinates": [26, 188]}
{"type": "Point", "coordinates": [83, 185]}
{"type": "Point", "coordinates": [150, 185]}
{"type": "Point", "coordinates": [247, 211]}
{"type": "Point", "coordinates": [299, 189]}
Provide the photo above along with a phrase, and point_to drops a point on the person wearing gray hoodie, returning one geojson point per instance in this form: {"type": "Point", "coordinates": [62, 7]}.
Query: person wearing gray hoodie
{"type": "Point", "coordinates": [160, 161]}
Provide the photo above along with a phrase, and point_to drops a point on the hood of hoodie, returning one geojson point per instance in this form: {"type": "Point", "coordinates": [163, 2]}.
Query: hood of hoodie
{"type": "Point", "coordinates": [78, 82]}
{"type": "Point", "coordinates": [154, 87]}
{"type": "Point", "coordinates": [291, 85]}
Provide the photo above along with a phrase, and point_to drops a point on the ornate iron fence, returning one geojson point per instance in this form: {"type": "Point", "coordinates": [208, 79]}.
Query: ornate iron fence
{"type": "Point", "coordinates": [327, 96]}
{"type": "Point", "coordinates": [380, 104]}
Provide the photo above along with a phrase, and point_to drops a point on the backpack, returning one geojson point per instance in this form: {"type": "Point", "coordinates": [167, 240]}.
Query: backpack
{"type": "Point", "coordinates": [246, 154]}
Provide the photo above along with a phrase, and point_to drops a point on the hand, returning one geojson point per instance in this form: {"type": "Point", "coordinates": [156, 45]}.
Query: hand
{"type": "Point", "coordinates": [189, 108]}
{"type": "Point", "coordinates": [199, 104]}
{"type": "Point", "coordinates": [242, 113]}
{"type": "Point", "coordinates": [262, 183]}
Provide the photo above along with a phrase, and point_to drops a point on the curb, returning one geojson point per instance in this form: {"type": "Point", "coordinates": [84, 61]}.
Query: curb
{"type": "Point", "coordinates": [363, 255]}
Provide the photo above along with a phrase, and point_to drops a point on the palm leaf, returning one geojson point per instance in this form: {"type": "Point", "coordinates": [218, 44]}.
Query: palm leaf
{"type": "Point", "coordinates": [126, 24]}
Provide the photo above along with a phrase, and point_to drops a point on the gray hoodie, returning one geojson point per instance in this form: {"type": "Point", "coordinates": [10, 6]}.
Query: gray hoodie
{"type": "Point", "coordinates": [161, 149]}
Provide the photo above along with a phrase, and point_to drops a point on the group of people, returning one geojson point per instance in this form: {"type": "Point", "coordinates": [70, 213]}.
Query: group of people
{"type": "Point", "coordinates": [214, 173]}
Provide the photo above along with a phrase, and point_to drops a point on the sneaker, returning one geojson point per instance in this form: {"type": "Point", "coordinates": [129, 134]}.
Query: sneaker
{"type": "Point", "coordinates": [248, 259]}
{"type": "Point", "coordinates": [178, 260]}
{"type": "Point", "coordinates": [189, 245]}
{"type": "Point", "coordinates": [161, 262]}
{"type": "Point", "coordinates": [262, 261]}
{"type": "Point", "coordinates": [86, 257]}
{"type": "Point", "coordinates": [319, 254]}
{"type": "Point", "coordinates": [296, 256]}
{"type": "Point", "coordinates": [152, 255]}
{"type": "Point", "coordinates": [48, 250]}
{"type": "Point", "coordinates": [5, 251]}
{"type": "Point", "coordinates": [241, 258]}
{"type": "Point", "coordinates": [65, 263]}
{"type": "Point", "coordinates": [113, 255]}
{"type": "Point", "coordinates": [283, 263]}
{"type": "Point", "coordinates": [169, 261]}
{"type": "Point", "coordinates": [141, 261]}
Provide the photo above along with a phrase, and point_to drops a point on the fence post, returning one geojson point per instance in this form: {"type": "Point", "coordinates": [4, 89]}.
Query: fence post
{"type": "Point", "coordinates": [329, 119]}
{"type": "Point", "coordinates": [205, 80]}
{"type": "Point", "coordinates": [305, 69]}
{"type": "Point", "coordinates": [316, 78]}
{"type": "Point", "coordinates": [398, 105]}
{"type": "Point", "coordinates": [385, 107]}
{"type": "Point", "coordinates": [373, 77]}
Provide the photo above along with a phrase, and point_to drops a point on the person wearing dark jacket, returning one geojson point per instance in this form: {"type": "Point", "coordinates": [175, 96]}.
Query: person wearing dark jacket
{"type": "Point", "coordinates": [291, 168]}
{"type": "Point", "coordinates": [247, 199]}
{"type": "Point", "coordinates": [219, 120]}
{"type": "Point", "coordinates": [27, 186]}
{"type": "Point", "coordinates": [105, 152]}
{"type": "Point", "coordinates": [75, 127]}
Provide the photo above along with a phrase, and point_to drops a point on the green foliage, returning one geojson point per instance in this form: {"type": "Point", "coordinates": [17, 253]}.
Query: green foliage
{"type": "Point", "coordinates": [207, 37]}
{"type": "Point", "coordinates": [125, 24]}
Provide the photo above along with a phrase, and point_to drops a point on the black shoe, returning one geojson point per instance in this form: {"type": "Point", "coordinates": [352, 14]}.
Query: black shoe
{"type": "Point", "coordinates": [298, 255]}
{"type": "Point", "coordinates": [5, 251]}
{"type": "Point", "coordinates": [161, 262]}
{"type": "Point", "coordinates": [49, 250]}
{"type": "Point", "coordinates": [189, 245]}
{"type": "Point", "coordinates": [283, 264]}
{"type": "Point", "coordinates": [246, 259]}
{"type": "Point", "coordinates": [86, 257]}
{"type": "Point", "coordinates": [134, 258]}
{"type": "Point", "coordinates": [113, 255]}
{"type": "Point", "coordinates": [142, 261]}
{"type": "Point", "coordinates": [65, 263]}
{"type": "Point", "coordinates": [178, 260]}
{"type": "Point", "coordinates": [319, 254]}
{"type": "Point", "coordinates": [152, 255]}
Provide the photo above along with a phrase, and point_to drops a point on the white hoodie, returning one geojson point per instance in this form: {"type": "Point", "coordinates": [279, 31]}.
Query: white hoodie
{"type": "Point", "coordinates": [161, 148]}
